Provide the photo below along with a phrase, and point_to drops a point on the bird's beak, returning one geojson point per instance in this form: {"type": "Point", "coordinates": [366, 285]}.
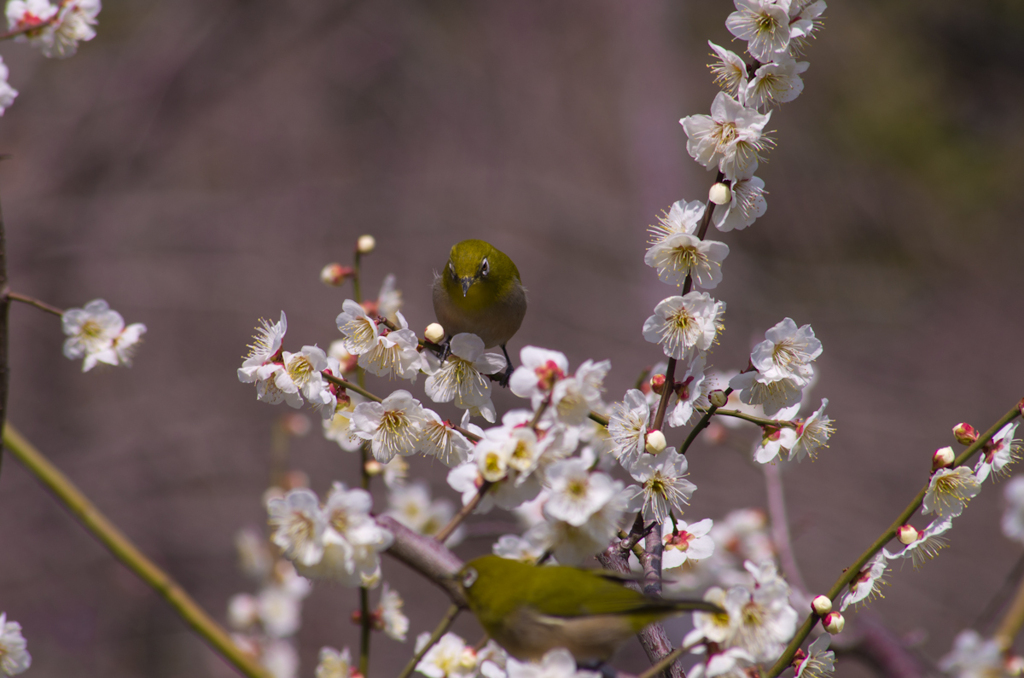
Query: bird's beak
{"type": "Point", "coordinates": [466, 282]}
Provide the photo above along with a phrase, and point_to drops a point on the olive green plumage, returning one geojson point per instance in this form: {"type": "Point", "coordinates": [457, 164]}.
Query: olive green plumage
{"type": "Point", "coordinates": [529, 610]}
{"type": "Point", "coordinates": [479, 291]}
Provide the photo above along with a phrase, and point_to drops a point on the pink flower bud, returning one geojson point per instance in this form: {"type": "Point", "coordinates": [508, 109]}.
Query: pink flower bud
{"type": "Point", "coordinates": [833, 622]}
{"type": "Point", "coordinates": [964, 433]}
{"type": "Point", "coordinates": [334, 275]}
{"type": "Point", "coordinates": [658, 383]}
{"type": "Point", "coordinates": [943, 458]}
{"type": "Point", "coordinates": [821, 605]}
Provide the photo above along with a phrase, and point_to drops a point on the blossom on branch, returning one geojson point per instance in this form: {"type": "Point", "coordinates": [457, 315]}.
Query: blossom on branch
{"type": "Point", "coordinates": [97, 334]}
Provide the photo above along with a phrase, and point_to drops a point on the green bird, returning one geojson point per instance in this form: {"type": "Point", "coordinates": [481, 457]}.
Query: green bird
{"type": "Point", "coordinates": [479, 291]}
{"type": "Point", "coordinates": [529, 609]}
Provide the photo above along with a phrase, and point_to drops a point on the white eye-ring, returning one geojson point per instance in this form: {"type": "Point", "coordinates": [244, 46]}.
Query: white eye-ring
{"type": "Point", "coordinates": [485, 267]}
{"type": "Point", "coordinates": [469, 577]}
{"type": "Point", "coordinates": [451, 268]}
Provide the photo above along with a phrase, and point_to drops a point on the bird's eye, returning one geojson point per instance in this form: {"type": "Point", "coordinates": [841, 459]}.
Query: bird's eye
{"type": "Point", "coordinates": [469, 577]}
{"type": "Point", "coordinates": [451, 268]}
{"type": "Point", "coordinates": [485, 267]}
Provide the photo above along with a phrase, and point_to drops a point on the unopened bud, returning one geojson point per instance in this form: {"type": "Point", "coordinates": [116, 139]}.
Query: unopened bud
{"type": "Point", "coordinates": [434, 333]}
{"type": "Point", "coordinates": [295, 480]}
{"type": "Point", "coordinates": [333, 275]}
{"type": "Point", "coordinates": [373, 468]}
{"type": "Point", "coordinates": [821, 605]}
{"type": "Point", "coordinates": [906, 534]}
{"type": "Point", "coordinates": [720, 194]}
{"type": "Point", "coordinates": [295, 424]}
{"type": "Point", "coordinates": [658, 383]}
{"type": "Point", "coordinates": [366, 244]}
{"type": "Point", "coordinates": [833, 622]}
{"type": "Point", "coordinates": [655, 442]}
{"type": "Point", "coordinates": [964, 433]}
{"type": "Point", "coordinates": [718, 398]}
{"type": "Point", "coordinates": [942, 458]}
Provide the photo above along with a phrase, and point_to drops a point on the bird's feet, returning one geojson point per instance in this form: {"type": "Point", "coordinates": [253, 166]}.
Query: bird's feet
{"type": "Point", "coordinates": [503, 378]}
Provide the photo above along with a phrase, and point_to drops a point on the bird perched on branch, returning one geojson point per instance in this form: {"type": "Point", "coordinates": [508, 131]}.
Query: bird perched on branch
{"type": "Point", "coordinates": [530, 609]}
{"type": "Point", "coordinates": [479, 291]}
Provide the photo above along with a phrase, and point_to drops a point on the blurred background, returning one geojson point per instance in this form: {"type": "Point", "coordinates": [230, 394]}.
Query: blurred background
{"type": "Point", "coordinates": [200, 161]}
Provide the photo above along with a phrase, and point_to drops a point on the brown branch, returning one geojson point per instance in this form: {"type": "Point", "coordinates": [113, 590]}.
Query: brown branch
{"type": "Point", "coordinates": [14, 296]}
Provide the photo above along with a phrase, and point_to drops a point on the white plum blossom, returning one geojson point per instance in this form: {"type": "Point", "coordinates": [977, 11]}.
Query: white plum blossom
{"type": "Point", "coordinates": [999, 453]}
{"type": "Point", "coordinates": [772, 395]}
{"type": "Point", "coordinates": [460, 378]}
{"type": "Point", "coordinates": [97, 334]}
{"type": "Point", "coordinates": [393, 426]}
{"type": "Point", "coordinates": [440, 440]}
{"type": "Point", "coordinates": [538, 372]}
{"type": "Point", "coordinates": [528, 548]}
{"type": "Point", "coordinates": [685, 326]}
{"type": "Point", "coordinates": [24, 14]}
{"type": "Point", "coordinates": [949, 490]}
{"type": "Point", "coordinates": [1013, 518]}
{"type": "Point", "coordinates": [575, 493]}
{"type": "Point", "coordinates": [711, 626]}
{"type": "Point", "coordinates": [681, 255]}
{"type": "Point", "coordinates": [394, 621]}
{"type": "Point", "coordinates": [730, 139]}
{"type": "Point", "coordinates": [683, 218]}
{"type": "Point", "coordinates": [773, 442]}
{"type": "Point", "coordinates": [280, 608]}
{"type": "Point", "coordinates": [574, 397]}
{"type": "Point", "coordinates": [777, 82]}
{"type": "Point", "coordinates": [265, 346]}
{"type": "Point", "coordinates": [394, 352]}
{"type": "Point", "coordinates": [733, 662]}
{"type": "Point", "coordinates": [685, 543]}
{"type": "Point", "coordinates": [571, 544]}
{"type": "Point", "coordinates": [359, 330]}
{"type": "Point", "coordinates": [389, 299]}
{"type": "Point", "coordinates": [7, 93]}
{"type": "Point", "coordinates": [334, 664]}
{"type": "Point", "coordinates": [804, 19]}
{"type": "Point", "coordinates": [273, 386]}
{"type": "Point", "coordinates": [60, 35]}
{"type": "Point", "coordinates": [14, 658]}
{"type": "Point", "coordinates": [762, 620]}
{"type": "Point", "coordinates": [764, 24]}
{"type": "Point", "coordinates": [867, 582]}
{"type": "Point", "coordinates": [339, 427]}
{"type": "Point", "coordinates": [787, 352]}
{"type": "Point", "coordinates": [450, 657]}
{"type": "Point", "coordinates": [730, 72]}
{"type": "Point", "coordinates": [298, 525]}
{"type": "Point", "coordinates": [746, 204]}
{"type": "Point", "coordinates": [413, 507]}
{"type": "Point", "coordinates": [557, 663]}
{"type": "Point", "coordinates": [820, 661]}
{"type": "Point", "coordinates": [691, 390]}
{"type": "Point", "coordinates": [280, 658]}
{"type": "Point", "coordinates": [812, 434]}
{"type": "Point", "coordinates": [627, 427]}
{"type": "Point", "coordinates": [305, 370]}
{"type": "Point", "coordinates": [663, 484]}
{"type": "Point", "coordinates": [974, 657]}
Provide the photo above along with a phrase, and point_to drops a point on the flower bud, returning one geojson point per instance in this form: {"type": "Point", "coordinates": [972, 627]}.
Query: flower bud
{"type": "Point", "coordinates": [720, 194]}
{"type": "Point", "coordinates": [907, 534]}
{"type": "Point", "coordinates": [833, 622]}
{"type": "Point", "coordinates": [366, 244]}
{"type": "Point", "coordinates": [333, 275]}
{"type": "Point", "coordinates": [295, 424]}
{"type": "Point", "coordinates": [821, 605]}
{"type": "Point", "coordinates": [373, 468]}
{"type": "Point", "coordinates": [295, 479]}
{"type": "Point", "coordinates": [434, 333]}
{"type": "Point", "coordinates": [942, 458]}
{"type": "Point", "coordinates": [658, 383]}
{"type": "Point", "coordinates": [718, 398]}
{"type": "Point", "coordinates": [964, 433]}
{"type": "Point", "coordinates": [655, 442]}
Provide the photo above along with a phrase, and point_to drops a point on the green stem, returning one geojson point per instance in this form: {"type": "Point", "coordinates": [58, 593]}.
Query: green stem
{"type": "Point", "coordinates": [772, 423]}
{"type": "Point", "coordinates": [701, 425]}
{"type": "Point", "coordinates": [123, 549]}
{"type": "Point", "coordinates": [365, 621]}
{"type": "Point", "coordinates": [446, 532]}
{"type": "Point", "coordinates": [442, 628]}
{"type": "Point", "coordinates": [853, 570]}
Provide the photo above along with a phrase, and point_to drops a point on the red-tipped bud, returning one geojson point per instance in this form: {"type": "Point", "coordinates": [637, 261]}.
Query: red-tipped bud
{"type": "Point", "coordinates": [655, 442]}
{"type": "Point", "coordinates": [942, 458]}
{"type": "Point", "coordinates": [964, 433]}
{"type": "Point", "coordinates": [718, 398]}
{"type": "Point", "coordinates": [833, 622]}
{"type": "Point", "coordinates": [334, 275]}
{"type": "Point", "coordinates": [821, 605]}
{"type": "Point", "coordinates": [906, 534]}
{"type": "Point", "coordinates": [658, 383]}
{"type": "Point", "coordinates": [373, 468]}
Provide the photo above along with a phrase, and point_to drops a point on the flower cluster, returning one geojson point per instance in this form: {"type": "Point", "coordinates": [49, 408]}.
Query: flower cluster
{"type": "Point", "coordinates": [14, 658]}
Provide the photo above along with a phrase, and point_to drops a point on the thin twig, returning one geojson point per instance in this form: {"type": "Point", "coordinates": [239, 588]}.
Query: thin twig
{"type": "Point", "coordinates": [446, 532]}
{"type": "Point", "coordinates": [780, 525]}
{"type": "Point", "coordinates": [442, 628]}
{"type": "Point", "coordinates": [42, 305]}
{"type": "Point", "coordinates": [701, 425]}
{"type": "Point", "coordinates": [126, 552]}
